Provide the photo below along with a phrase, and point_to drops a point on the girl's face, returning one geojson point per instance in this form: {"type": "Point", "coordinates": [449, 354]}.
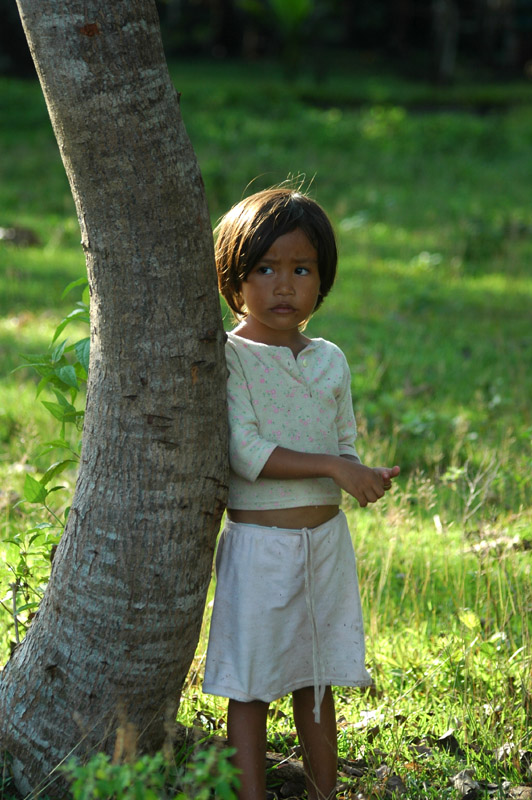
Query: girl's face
{"type": "Point", "coordinates": [281, 291]}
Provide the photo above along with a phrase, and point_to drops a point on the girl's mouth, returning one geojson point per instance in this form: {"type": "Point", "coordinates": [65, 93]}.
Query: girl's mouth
{"type": "Point", "coordinates": [283, 308]}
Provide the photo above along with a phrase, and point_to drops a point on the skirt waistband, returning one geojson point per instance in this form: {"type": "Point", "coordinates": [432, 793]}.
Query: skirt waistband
{"type": "Point", "coordinates": [231, 525]}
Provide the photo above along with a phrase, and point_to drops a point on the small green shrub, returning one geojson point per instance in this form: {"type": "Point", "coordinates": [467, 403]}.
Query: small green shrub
{"type": "Point", "coordinates": [28, 551]}
{"type": "Point", "coordinates": [208, 773]}
{"type": "Point", "coordinates": [100, 778]}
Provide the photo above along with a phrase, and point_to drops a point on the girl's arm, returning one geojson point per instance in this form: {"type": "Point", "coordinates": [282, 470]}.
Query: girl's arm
{"type": "Point", "coordinates": [365, 484]}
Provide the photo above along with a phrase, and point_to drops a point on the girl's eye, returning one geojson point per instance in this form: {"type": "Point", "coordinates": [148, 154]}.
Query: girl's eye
{"type": "Point", "coordinates": [302, 271]}
{"type": "Point", "coordinates": [264, 270]}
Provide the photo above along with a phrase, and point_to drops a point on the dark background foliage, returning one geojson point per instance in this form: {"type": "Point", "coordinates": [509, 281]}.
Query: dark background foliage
{"type": "Point", "coordinates": [422, 38]}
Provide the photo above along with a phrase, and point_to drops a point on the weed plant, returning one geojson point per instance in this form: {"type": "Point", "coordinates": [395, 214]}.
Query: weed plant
{"type": "Point", "coordinates": [432, 308]}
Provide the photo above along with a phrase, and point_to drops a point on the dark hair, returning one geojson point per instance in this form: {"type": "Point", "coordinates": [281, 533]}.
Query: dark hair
{"type": "Point", "coordinates": [250, 228]}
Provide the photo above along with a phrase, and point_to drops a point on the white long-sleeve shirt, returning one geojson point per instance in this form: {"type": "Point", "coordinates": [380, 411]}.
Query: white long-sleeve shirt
{"type": "Point", "coordinates": [276, 399]}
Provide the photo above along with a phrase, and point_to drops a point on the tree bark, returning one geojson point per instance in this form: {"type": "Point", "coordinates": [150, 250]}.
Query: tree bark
{"type": "Point", "coordinates": [446, 28]}
{"type": "Point", "coordinates": [118, 626]}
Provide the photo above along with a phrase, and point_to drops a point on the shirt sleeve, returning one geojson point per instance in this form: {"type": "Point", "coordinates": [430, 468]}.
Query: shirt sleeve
{"type": "Point", "coordinates": [345, 417]}
{"type": "Point", "coordinates": [248, 450]}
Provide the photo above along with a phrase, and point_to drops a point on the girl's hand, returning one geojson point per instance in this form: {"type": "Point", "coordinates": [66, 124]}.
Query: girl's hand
{"type": "Point", "coordinates": [365, 484]}
{"type": "Point", "coordinates": [387, 475]}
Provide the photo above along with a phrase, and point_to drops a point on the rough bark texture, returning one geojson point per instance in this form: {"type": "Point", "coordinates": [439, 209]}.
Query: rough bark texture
{"type": "Point", "coordinates": [117, 629]}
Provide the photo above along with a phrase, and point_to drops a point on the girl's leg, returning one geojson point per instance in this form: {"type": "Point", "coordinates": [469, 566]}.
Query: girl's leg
{"type": "Point", "coordinates": [246, 731]}
{"type": "Point", "coordinates": [318, 742]}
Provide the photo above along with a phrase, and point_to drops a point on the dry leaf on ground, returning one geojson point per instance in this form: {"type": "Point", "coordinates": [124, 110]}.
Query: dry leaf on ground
{"type": "Point", "coordinates": [464, 783]}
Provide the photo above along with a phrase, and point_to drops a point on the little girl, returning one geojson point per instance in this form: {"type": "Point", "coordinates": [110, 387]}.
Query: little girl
{"type": "Point", "coordinates": [286, 614]}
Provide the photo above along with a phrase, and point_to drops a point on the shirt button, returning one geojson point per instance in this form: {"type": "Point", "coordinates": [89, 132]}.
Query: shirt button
{"type": "Point", "coordinates": [304, 362]}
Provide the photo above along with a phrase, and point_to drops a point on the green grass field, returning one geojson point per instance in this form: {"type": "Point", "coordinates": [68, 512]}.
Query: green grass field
{"type": "Point", "coordinates": [433, 309]}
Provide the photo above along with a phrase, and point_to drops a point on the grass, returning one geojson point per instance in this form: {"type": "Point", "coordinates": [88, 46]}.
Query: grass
{"type": "Point", "coordinates": [432, 307]}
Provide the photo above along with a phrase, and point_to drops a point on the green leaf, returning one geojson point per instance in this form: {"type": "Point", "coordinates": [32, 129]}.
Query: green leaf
{"type": "Point", "coordinates": [35, 359]}
{"type": "Point", "coordinates": [79, 314]}
{"type": "Point", "coordinates": [82, 349]}
{"type": "Point", "coordinates": [60, 443]}
{"type": "Point", "coordinates": [68, 375]}
{"type": "Point", "coordinates": [42, 383]}
{"type": "Point", "coordinates": [60, 328]}
{"type": "Point", "coordinates": [57, 352]}
{"type": "Point", "coordinates": [12, 540]}
{"type": "Point", "coordinates": [40, 363]}
{"type": "Point", "coordinates": [61, 399]}
{"type": "Point", "coordinates": [56, 410]}
{"type": "Point", "coordinates": [34, 491]}
{"type": "Point", "coordinates": [36, 536]}
{"type": "Point", "coordinates": [72, 285]}
{"type": "Point", "coordinates": [26, 607]}
{"type": "Point", "coordinates": [81, 372]}
{"type": "Point", "coordinates": [42, 526]}
{"type": "Point", "coordinates": [56, 469]}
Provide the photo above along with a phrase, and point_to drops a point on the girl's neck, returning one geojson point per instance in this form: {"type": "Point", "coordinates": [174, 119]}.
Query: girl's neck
{"type": "Point", "coordinates": [255, 332]}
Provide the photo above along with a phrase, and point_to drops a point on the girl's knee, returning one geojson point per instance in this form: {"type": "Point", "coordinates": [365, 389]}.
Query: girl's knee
{"type": "Point", "coordinates": [306, 696]}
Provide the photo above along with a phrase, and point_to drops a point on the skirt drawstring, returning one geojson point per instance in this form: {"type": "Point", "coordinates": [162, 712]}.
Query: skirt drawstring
{"type": "Point", "coordinates": [319, 688]}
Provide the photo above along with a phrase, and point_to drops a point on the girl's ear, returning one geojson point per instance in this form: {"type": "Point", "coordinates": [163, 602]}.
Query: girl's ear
{"type": "Point", "coordinates": [239, 301]}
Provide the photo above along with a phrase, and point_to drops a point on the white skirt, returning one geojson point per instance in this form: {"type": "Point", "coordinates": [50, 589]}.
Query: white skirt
{"type": "Point", "coordinates": [286, 613]}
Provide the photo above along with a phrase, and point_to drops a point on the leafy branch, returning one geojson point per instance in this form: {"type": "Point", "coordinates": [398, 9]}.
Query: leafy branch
{"type": "Point", "coordinates": [63, 371]}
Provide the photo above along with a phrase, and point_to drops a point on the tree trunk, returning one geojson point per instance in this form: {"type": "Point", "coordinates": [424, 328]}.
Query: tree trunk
{"type": "Point", "coordinates": [117, 629]}
{"type": "Point", "coordinates": [446, 28]}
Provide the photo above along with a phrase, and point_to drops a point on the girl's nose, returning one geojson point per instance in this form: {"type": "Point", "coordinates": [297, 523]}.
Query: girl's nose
{"type": "Point", "coordinates": [284, 284]}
